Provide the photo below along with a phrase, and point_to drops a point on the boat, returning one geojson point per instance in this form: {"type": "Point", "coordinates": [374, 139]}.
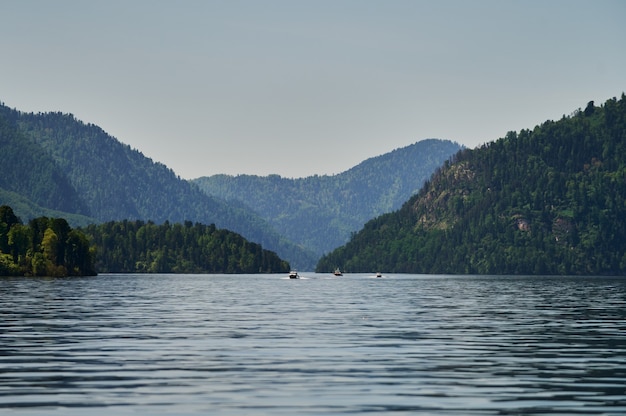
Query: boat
{"type": "Point", "coordinates": [293, 275]}
{"type": "Point", "coordinates": [337, 272]}
{"type": "Point", "coordinates": [379, 274]}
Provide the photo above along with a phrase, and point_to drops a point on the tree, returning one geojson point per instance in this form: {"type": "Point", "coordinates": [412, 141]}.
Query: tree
{"type": "Point", "coordinates": [7, 220]}
{"type": "Point", "coordinates": [49, 245]}
{"type": "Point", "coordinates": [19, 241]}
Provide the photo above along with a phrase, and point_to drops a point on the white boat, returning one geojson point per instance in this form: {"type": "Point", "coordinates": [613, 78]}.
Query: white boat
{"type": "Point", "coordinates": [337, 272]}
{"type": "Point", "coordinates": [293, 275]}
{"type": "Point", "coordinates": [379, 274]}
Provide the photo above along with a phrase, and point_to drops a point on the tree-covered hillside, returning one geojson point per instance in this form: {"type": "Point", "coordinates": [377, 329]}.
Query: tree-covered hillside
{"type": "Point", "coordinates": [56, 162]}
{"type": "Point", "coordinates": [551, 200]}
{"type": "Point", "coordinates": [320, 212]}
{"type": "Point", "coordinates": [145, 247]}
{"type": "Point", "coordinates": [28, 209]}
{"type": "Point", "coordinates": [29, 171]}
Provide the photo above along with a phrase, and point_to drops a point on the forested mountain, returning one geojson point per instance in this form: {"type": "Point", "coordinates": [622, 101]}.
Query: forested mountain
{"type": "Point", "coordinates": [57, 165]}
{"type": "Point", "coordinates": [29, 171]}
{"type": "Point", "coordinates": [28, 209]}
{"type": "Point", "coordinates": [52, 161]}
{"type": "Point", "coordinates": [551, 200]}
{"type": "Point", "coordinates": [145, 247]}
{"type": "Point", "coordinates": [320, 212]}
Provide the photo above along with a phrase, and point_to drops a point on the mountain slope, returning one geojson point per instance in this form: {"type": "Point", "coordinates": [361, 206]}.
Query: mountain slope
{"type": "Point", "coordinates": [26, 210]}
{"type": "Point", "coordinates": [94, 174]}
{"type": "Point", "coordinates": [547, 201]}
{"type": "Point", "coordinates": [29, 171]}
{"type": "Point", "coordinates": [320, 212]}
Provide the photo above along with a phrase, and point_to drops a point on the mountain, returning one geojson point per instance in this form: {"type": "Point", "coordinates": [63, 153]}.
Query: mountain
{"type": "Point", "coordinates": [320, 212]}
{"type": "Point", "coordinates": [27, 209]}
{"type": "Point", "coordinates": [58, 166]}
{"type": "Point", "coordinates": [551, 200]}
{"type": "Point", "coordinates": [29, 171]}
{"type": "Point", "coordinates": [52, 161]}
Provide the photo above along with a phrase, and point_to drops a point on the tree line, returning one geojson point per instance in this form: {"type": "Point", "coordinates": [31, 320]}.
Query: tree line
{"type": "Point", "coordinates": [50, 247]}
{"type": "Point", "coordinates": [145, 247]}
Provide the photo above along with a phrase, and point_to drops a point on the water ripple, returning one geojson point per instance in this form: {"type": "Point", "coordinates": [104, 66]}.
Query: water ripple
{"type": "Point", "coordinates": [260, 345]}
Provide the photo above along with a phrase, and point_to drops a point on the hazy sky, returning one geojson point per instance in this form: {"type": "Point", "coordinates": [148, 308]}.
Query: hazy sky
{"type": "Point", "coordinates": [307, 87]}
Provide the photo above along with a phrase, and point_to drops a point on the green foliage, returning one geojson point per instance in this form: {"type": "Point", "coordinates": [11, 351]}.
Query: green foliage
{"type": "Point", "coordinates": [44, 247]}
{"type": "Point", "coordinates": [144, 247]}
{"type": "Point", "coordinates": [320, 212]}
{"type": "Point", "coordinates": [547, 201]}
{"type": "Point", "coordinates": [50, 247]}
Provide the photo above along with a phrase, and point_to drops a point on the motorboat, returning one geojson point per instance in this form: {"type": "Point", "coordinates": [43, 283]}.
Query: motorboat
{"type": "Point", "coordinates": [379, 274]}
{"type": "Point", "coordinates": [293, 275]}
{"type": "Point", "coordinates": [337, 272]}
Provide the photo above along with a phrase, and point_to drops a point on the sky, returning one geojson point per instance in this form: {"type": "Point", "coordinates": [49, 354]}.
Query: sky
{"type": "Point", "coordinates": [297, 87]}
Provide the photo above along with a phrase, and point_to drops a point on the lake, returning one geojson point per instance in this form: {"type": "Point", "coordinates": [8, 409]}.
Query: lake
{"type": "Point", "coordinates": [321, 345]}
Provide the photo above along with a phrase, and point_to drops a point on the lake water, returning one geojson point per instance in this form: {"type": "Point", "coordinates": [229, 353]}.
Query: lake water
{"type": "Point", "coordinates": [267, 345]}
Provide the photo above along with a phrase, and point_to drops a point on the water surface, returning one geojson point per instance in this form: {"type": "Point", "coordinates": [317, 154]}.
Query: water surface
{"type": "Point", "coordinates": [267, 345]}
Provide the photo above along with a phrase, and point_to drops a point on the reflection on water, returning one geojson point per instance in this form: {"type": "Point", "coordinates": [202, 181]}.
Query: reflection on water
{"type": "Point", "coordinates": [266, 345]}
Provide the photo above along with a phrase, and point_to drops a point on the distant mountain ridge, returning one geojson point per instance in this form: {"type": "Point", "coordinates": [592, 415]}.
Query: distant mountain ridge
{"type": "Point", "coordinates": [551, 200]}
{"type": "Point", "coordinates": [320, 212]}
{"type": "Point", "coordinates": [56, 163]}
